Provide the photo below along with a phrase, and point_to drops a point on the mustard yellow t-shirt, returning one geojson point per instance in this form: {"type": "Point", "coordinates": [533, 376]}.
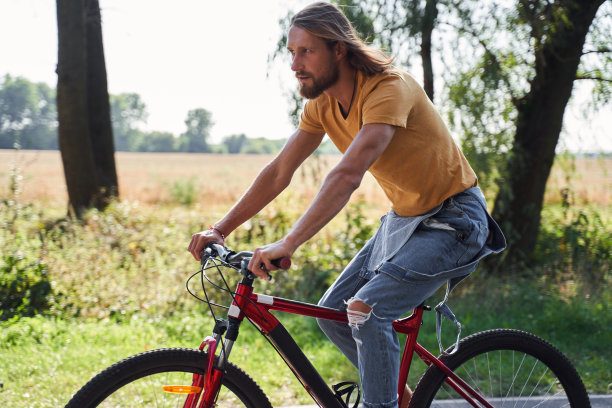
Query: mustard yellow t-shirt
{"type": "Point", "coordinates": [422, 166]}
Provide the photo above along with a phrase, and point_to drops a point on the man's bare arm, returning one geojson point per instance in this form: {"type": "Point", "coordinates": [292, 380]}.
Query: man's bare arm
{"type": "Point", "coordinates": [336, 191]}
{"type": "Point", "coordinates": [270, 182]}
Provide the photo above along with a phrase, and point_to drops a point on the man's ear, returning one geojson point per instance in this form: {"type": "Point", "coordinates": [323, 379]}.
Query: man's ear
{"type": "Point", "coordinates": [340, 50]}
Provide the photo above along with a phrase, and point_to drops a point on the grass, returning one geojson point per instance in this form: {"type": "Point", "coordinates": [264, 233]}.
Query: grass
{"type": "Point", "coordinates": [33, 350]}
{"type": "Point", "coordinates": [117, 277]}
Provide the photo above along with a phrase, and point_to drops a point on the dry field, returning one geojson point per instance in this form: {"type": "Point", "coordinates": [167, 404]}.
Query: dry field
{"type": "Point", "coordinates": [221, 179]}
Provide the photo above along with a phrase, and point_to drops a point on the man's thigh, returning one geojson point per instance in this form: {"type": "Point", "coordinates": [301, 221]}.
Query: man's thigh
{"type": "Point", "coordinates": [390, 298]}
{"type": "Point", "coordinates": [352, 278]}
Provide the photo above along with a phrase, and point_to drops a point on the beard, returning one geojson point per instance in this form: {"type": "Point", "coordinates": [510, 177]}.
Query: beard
{"type": "Point", "coordinates": [320, 84]}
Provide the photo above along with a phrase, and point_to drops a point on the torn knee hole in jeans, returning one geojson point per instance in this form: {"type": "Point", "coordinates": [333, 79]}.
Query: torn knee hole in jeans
{"type": "Point", "coordinates": [356, 318]}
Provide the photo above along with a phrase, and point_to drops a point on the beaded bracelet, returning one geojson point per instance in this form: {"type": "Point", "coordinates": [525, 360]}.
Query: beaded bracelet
{"type": "Point", "coordinates": [218, 230]}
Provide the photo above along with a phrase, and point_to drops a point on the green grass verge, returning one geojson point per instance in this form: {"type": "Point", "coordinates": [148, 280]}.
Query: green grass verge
{"type": "Point", "coordinates": [45, 360]}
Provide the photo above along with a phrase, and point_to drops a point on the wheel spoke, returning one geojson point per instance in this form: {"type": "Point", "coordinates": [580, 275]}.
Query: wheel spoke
{"type": "Point", "coordinates": [139, 382]}
{"type": "Point", "coordinates": [510, 369]}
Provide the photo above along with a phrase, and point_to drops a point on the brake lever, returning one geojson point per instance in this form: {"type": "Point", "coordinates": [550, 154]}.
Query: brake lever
{"type": "Point", "coordinates": [281, 263]}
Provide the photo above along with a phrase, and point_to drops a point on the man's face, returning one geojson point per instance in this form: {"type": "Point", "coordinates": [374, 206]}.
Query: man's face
{"type": "Point", "coordinates": [315, 65]}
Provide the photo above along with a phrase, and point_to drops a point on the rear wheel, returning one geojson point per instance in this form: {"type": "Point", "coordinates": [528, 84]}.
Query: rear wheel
{"type": "Point", "coordinates": [509, 368]}
{"type": "Point", "coordinates": [138, 381]}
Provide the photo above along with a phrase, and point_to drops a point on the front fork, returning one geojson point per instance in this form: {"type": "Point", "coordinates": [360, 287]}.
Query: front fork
{"type": "Point", "coordinates": [209, 384]}
{"type": "Point", "coordinates": [211, 380]}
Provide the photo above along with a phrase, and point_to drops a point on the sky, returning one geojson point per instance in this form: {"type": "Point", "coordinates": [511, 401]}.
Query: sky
{"type": "Point", "coordinates": [178, 56]}
{"type": "Point", "coordinates": [211, 54]}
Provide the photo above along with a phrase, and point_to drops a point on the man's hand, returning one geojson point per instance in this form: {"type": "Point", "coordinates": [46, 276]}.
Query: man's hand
{"type": "Point", "coordinates": [201, 239]}
{"type": "Point", "coordinates": [261, 261]}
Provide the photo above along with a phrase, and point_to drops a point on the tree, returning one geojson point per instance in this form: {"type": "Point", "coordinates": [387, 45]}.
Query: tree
{"type": "Point", "coordinates": [409, 25]}
{"type": "Point", "coordinates": [558, 50]}
{"type": "Point", "coordinates": [510, 103]}
{"type": "Point", "coordinates": [98, 106]}
{"type": "Point", "coordinates": [235, 143]}
{"type": "Point", "coordinates": [84, 122]}
{"type": "Point", "coordinates": [127, 112]}
{"type": "Point", "coordinates": [28, 117]}
{"type": "Point", "coordinates": [195, 139]}
{"type": "Point", "coordinates": [157, 142]}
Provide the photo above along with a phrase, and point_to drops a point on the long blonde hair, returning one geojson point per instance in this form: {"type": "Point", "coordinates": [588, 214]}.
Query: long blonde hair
{"type": "Point", "coordinates": [326, 21]}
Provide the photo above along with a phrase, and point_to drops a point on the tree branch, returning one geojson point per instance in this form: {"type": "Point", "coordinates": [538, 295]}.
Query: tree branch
{"type": "Point", "coordinates": [594, 78]}
{"type": "Point", "coordinates": [484, 45]}
{"type": "Point", "coordinates": [599, 51]}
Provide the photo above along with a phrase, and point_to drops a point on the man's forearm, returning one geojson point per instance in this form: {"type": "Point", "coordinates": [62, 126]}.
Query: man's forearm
{"type": "Point", "coordinates": [265, 188]}
{"type": "Point", "coordinates": [333, 196]}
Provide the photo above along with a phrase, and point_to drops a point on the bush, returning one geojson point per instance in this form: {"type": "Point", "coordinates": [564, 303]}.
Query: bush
{"type": "Point", "coordinates": [575, 244]}
{"type": "Point", "coordinates": [25, 289]}
{"type": "Point", "coordinates": [184, 191]}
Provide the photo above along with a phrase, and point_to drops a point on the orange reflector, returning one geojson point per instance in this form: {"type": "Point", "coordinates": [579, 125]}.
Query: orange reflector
{"type": "Point", "coordinates": [182, 389]}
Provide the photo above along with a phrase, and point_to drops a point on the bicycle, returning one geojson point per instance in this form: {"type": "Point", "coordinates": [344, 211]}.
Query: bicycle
{"type": "Point", "coordinates": [489, 369]}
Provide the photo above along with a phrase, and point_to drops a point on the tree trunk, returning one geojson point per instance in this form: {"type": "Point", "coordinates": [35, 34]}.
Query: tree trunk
{"type": "Point", "coordinates": [100, 126]}
{"type": "Point", "coordinates": [428, 24]}
{"type": "Point", "coordinates": [540, 117]}
{"type": "Point", "coordinates": [72, 112]}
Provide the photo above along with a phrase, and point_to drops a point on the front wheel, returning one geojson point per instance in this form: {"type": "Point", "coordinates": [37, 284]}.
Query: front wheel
{"type": "Point", "coordinates": [138, 381]}
{"type": "Point", "coordinates": [509, 368]}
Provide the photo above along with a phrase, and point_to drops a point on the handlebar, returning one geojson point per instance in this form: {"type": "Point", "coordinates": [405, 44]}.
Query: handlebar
{"type": "Point", "coordinates": [236, 258]}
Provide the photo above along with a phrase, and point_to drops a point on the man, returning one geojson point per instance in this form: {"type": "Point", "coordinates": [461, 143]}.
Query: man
{"type": "Point", "coordinates": [382, 122]}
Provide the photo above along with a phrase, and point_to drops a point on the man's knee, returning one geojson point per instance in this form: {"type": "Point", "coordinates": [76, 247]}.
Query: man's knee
{"type": "Point", "coordinates": [358, 313]}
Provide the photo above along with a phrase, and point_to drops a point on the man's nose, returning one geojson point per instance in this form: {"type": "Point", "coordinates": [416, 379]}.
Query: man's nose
{"type": "Point", "coordinates": [296, 65]}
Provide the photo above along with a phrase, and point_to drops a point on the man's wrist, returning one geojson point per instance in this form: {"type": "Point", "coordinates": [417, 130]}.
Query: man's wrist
{"type": "Point", "coordinates": [291, 243]}
{"type": "Point", "coordinates": [217, 230]}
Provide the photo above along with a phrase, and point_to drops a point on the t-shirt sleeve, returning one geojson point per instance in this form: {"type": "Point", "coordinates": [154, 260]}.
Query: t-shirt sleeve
{"type": "Point", "coordinates": [390, 102]}
{"type": "Point", "coordinates": [310, 121]}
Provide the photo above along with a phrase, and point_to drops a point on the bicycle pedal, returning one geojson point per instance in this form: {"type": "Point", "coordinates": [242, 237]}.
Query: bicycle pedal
{"type": "Point", "coordinates": [344, 391]}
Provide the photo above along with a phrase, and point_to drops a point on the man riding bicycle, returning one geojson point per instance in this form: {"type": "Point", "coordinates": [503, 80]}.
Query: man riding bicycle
{"type": "Point", "coordinates": [382, 121]}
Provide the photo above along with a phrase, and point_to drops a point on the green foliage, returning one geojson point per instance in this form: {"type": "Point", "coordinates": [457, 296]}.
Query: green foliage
{"type": "Point", "coordinates": [25, 287]}
{"type": "Point", "coordinates": [235, 143]}
{"type": "Point", "coordinates": [128, 112]}
{"type": "Point", "coordinates": [157, 142]}
{"type": "Point", "coordinates": [195, 139]}
{"type": "Point", "coordinates": [596, 62]}
{"type": "Point", "coordinates": [28, 114]}
{"type": "Point", "coordinates": [262, 146]}
{"type": "Point", "coordinates": [112, 263]}
{"type": "Point", "coordinates": [184, 191]}
{"type": "Point", "coordinates": [575, 244]}
{"type": "Point", "coordinates": [575, 324]}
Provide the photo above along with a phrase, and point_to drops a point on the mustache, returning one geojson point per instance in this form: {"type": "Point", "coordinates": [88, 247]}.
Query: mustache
{"type": "Point", "coordinates": [299, 74]}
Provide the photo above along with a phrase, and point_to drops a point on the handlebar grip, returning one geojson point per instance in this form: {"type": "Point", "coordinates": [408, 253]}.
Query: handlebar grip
{"type": "Point", "coordinates": [283, 263]}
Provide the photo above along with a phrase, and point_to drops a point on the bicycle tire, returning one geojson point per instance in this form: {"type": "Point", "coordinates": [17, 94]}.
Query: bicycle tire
{"type": "Point", "coordinates": [508, 367]}
{"type": "Point", "coordinates": [138, 381]}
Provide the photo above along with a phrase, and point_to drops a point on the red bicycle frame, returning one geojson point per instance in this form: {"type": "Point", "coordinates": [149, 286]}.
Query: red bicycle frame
{"type": "Point", "coordinates": [256, 307]}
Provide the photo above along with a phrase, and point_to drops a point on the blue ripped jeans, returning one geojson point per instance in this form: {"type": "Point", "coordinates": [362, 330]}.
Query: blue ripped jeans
{"type": "Point", "coordinates": [445, 244]}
